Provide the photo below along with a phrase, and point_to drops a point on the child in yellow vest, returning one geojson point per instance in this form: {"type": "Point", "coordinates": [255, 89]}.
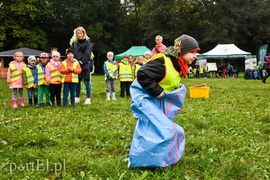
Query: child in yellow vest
{"type": "Point", "coordinates": [70, 68]}
{"type": "Point", "coordinates": [54, 78]}
{"type": "Point", "coordinates": [157, 97]}
{"type": "Point", "coordinates": [138, 64]}
{"type": "Point", "coordinates": [14, 78]}
{"type": "Point", "coordinates": [28, 80]}
{"type": "Point", "coordinates": [125, 76]}
{"type": "Point", "coordinates": [110, 70]}
{"type": "Point", "coordinates": [40, 80]}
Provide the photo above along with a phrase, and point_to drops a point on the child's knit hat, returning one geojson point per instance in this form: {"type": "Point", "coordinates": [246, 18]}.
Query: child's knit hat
{"type": "Point", "coordinates": [124, 55]}
{"type": "Point", "coordinates": [44, 54]}
{"type": "Point", "coordinates": [31, 58]}
{"type": "Point", "coordinates": [69, 50]}
{"type": "Point", "coordinates": [186, 44]}
{"type": "Point", "coordinates": [110, 53]}
{"type": "Point", "coordinates": [55, 53]}
{"type": "Point", "coordinates": [147, 52]}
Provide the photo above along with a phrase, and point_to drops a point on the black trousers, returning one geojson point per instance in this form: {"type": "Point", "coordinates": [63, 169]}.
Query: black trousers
{"type": "Point", "coordinates": [55, 93]}
{"type": "Point", "coordinates": [124, 87]}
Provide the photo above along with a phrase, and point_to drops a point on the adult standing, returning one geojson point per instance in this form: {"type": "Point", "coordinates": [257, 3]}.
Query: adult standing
{"type": "Point", "coordinates": [267, 62]}
{"type": "Point", "coordinates": [82, 47]}
{"type": "Point", "coordinates": [159, 45]}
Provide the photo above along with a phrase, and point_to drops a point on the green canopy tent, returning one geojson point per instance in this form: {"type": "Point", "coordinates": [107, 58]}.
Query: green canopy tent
{"type": "Point", "coordinates": [134, 51]}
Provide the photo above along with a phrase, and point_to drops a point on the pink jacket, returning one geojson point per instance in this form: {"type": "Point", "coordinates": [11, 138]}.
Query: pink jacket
{"type": "Point", "coordinates": [56, 65]}
{"type": "Point", "coordinates": [19, 83]}
{"type": "Point", "coordinates": [160, 48]}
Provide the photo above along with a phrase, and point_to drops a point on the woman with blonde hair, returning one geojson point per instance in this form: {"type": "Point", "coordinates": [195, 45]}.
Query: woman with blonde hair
{"type": "Point", "coordinates": [82, 47]}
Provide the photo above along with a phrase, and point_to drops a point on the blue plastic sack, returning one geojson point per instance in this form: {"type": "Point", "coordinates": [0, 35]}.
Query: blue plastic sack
{"type": "Point", "coordinates": [157, 141]}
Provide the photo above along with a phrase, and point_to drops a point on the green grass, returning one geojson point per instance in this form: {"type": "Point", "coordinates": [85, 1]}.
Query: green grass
{"type": "Point", "coordinates": [227, 136]}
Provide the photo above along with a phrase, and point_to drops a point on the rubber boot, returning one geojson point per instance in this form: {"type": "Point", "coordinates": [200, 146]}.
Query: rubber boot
{"type": "Point", "coordinates": [14, 103]}
{"type": "Point", "coordinates": [22, 102]}
{"type": "Point", "coordinates": [108, 96]}
{"type": "Point", "coordinates": [30, 102]}
{"type": "Point", "coordinates": [113, 96]}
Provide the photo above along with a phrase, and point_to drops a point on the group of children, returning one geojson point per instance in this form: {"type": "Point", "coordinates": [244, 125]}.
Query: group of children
{"type": "Point", "coordinates": [125, 71]}
{"type": "Point", "coordinates": [43, 78]}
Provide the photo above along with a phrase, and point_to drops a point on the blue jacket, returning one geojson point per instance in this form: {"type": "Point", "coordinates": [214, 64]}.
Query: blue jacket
{"type": "Point", "coordinates": [36, 72]}
{"type": "Point", "coordinates": [106, 70]}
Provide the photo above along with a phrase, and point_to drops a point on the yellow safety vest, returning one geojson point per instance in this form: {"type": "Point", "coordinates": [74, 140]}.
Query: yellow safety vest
{"type": "Point", "coordinates": [137, 67]}
{"type": "Point", "coordinates": [205, 68]}
{"type": "Point", "coordinates": [201, 70]}
{"type": "Point", "coordinates": [125, 72]}
{"type": "Point", "coordinates": [74, 77]}
{"type": "Point", "coordinates": [41, 76]}
{"type": "Point", "coordinates": [55, 75]}
{"type": "Point", "coordinates": [172, 79]}
{"type": "Point", "coordinates": [111, 68]}
{"type": "Point", "coordinates": [29, 77]}
{"type": "Point", "coordinates": [15, 74]}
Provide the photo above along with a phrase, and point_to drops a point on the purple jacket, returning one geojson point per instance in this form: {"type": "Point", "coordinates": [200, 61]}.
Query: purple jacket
{"type": "Point", "coordinates": [267, 59]}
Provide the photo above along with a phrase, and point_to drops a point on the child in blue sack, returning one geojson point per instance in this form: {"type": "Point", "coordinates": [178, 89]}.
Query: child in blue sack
{"type": "Point", "coordinates": [157, 97]}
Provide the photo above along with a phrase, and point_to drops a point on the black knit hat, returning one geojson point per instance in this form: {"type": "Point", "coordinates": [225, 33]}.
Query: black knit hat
{"type": "Point", "coordinates": [186, 44]}
{"type": "Point", "coordinates": [69, 50]}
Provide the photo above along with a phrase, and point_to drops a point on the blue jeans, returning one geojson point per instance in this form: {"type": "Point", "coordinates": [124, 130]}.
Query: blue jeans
{"type": "Point", "coordinates": [87, 86]}
{"type": "Point", "coordinates": [69, 88]}
{"type": "Point", "coordinates": [32, 93]}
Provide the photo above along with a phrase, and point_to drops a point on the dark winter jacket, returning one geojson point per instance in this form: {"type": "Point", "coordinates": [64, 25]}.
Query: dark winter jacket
{"type": "Point", "coordinates": [82, 51]}
{"type": "Point", "coordinates": [150, 74]}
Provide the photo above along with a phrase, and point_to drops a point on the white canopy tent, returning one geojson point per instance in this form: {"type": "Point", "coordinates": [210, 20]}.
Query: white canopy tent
{"type": "Point", "coordinates": [223, 51]}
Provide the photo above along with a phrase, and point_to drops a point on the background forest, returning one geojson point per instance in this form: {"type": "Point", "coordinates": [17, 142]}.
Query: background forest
{"type": "Point", "coordinates": [117, 25]}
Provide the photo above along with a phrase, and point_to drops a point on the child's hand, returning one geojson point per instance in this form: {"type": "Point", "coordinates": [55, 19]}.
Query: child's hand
{"type": "Point", "coordinates": [161, 95]}
{"type": "Point", "coordinates": [70, 69]}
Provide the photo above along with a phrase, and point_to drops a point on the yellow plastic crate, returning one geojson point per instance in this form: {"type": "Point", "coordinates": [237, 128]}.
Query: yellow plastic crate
{"type": "Point", "coordinates": [199, 91]}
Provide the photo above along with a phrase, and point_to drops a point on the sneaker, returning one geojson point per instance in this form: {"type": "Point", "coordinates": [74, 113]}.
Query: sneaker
{"type": "Point", "coordinates": [77, 100]}
{"type": "Point", "coordinates": [87, 101]}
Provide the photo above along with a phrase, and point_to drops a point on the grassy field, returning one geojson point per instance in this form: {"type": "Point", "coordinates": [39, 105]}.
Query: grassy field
{"type": "Point", "coordinates": [227, 136]}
